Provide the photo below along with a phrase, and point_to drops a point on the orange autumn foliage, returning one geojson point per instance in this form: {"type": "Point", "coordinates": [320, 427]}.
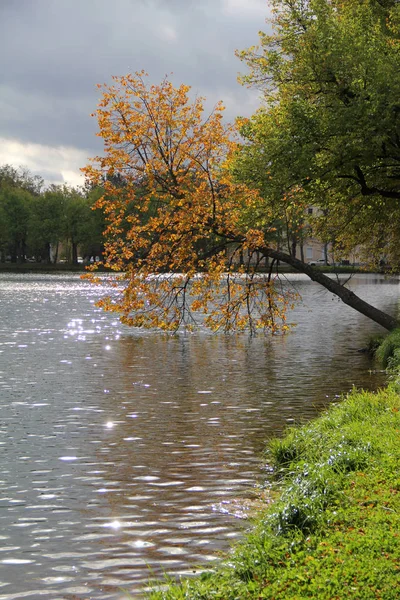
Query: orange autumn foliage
{"type": "Point", "coordinates": [176, 220]}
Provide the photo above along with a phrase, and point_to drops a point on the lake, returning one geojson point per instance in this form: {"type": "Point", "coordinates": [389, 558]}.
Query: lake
{"type": "Point", "coordinates": [126, 454]}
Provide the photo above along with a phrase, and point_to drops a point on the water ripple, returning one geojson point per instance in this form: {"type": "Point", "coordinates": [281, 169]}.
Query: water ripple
{"type": "Point", "coordinates": [125, 455]}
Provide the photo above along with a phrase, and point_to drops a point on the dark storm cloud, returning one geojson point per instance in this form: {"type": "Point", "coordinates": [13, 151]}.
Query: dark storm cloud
{"type": "Point", "coordinates": [53, 52]}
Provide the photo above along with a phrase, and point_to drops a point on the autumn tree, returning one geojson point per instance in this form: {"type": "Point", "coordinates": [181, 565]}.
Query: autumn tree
{"type": "Point", "coordinates": [176, 220]}
{"type": "Point", "coordinates": [180, 220]}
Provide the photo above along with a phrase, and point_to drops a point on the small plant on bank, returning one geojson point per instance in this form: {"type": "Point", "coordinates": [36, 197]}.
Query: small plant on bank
{"type": "Point", "coordinates": [388, 352]}
{"type": "Point", "coordinates": [373, 344]}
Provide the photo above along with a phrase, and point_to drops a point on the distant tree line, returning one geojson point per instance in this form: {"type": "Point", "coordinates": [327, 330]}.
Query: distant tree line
{"type": "Point", "coordinates": [47, 224]}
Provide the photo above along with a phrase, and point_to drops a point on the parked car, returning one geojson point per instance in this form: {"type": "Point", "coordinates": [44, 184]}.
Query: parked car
{"type": "Point", "coordinates": [319, 263]}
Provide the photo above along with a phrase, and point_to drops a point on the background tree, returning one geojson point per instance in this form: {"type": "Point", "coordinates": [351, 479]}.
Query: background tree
{"type": "Point", "coordinates": [92, 229]}
{"type": "Point", "coordinates": [15, 210]}
{"type": "Point", "coordinates": [75, 215]}
{"type": "Point", "coordinates": [4, 230]}
{"type": "Point", "coordinates": [45, 224]}
{"type": "Point", "coordinates": [12, 177]}
{"type": "Point", "coordinates": [41, 222]}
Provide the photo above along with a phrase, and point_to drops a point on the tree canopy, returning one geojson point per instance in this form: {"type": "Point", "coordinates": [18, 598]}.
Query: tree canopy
{"type": "Point", "coordinates": [185, 196]}
{"type": "Point", "coordinates": [328, 129]}
{"type": "Point", "coordinates": [178, 212]}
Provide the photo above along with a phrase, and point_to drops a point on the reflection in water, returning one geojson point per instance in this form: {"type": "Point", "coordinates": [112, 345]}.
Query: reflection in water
{"type": "Point", "coordinates": [123, 453]}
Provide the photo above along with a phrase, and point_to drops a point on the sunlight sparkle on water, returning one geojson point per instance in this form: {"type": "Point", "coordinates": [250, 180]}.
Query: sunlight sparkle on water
{"type": "Point", "coordinates": [142, 544]}
{"type": "Point", "coordinates": [109, 424]}
{"type": "Point", "coordinates": [113, 525]}
{"type": "Point", "coordinates": [16, 561]}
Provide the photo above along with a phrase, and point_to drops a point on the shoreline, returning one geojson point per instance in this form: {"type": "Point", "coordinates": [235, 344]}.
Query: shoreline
{"type": "Point", "coordinates": [332, 529]}
{"type": "Point", "coordinates": [29, 267]}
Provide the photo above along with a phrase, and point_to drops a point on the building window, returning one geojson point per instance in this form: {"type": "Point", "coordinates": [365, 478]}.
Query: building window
{"type": "Point", "coordinates": [310, 210]}
{"type": "Point", "coordinates": [309, 252]}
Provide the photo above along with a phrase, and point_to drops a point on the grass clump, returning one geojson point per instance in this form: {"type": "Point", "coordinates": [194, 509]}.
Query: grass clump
{"type": "Point", "coordinates": [388, 351]}
{"type": "Point", "coordinates": [334, 530]}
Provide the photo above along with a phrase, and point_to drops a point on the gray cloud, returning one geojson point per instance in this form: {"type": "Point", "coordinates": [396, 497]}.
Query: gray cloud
{"type": "Point", "coordinates": [53, 52]}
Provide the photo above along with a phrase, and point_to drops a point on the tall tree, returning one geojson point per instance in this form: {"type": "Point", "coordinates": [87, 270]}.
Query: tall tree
{"type": "Point", "coordinates": [92, 228]}
{"type": "Point", "coordinates": [46, 224]}
{"type": "Point", "coordinates": [77, 217]}
{"type": "Point", "coordinates": [328, 132]}
{"type": "Point", "coordinates": [4, 230]}
{"type": "Point", "coordinates": [15, 211]}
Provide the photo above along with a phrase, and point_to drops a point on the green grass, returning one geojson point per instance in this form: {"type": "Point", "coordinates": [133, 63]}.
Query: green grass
{"type": "Point", "coordinates": [333, 531]}
{"type": "Point", "coordinates": [388, 351]}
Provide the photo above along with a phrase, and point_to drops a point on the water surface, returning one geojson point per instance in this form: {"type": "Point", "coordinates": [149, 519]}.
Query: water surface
{"type": "Point", "coordinates": [122, 452]}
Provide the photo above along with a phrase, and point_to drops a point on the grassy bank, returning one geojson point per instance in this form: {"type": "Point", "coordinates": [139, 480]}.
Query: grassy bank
{"type": "Point", "coordinates": [333, 531]}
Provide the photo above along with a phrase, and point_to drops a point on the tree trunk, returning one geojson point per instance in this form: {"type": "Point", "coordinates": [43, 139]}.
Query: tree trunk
{"type": "Point", "coordinates": [74, 246]}
{"type": "Point", "coordinates": [302, 252]}
{"type": "Point", "coordinates": [23, 251]}
{"type": "Point", "coordinates": [55, 254]}
{"type": "Point", "coordinates": [326, 253]}
{"type": "Point", "coordinates": [46, 252]}
{"type": "Point", "coordinates": [346, 295]}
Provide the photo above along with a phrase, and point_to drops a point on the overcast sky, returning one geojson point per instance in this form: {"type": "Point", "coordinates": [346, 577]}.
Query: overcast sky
{"type": "Point", "coordinates": [54, 52]}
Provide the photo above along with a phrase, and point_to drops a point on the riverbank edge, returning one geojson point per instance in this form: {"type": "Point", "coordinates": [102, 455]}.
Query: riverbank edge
{"type": "Point", "coordinates": [46, 268]}
{"type": "Point", "coordinates": [332, 527]}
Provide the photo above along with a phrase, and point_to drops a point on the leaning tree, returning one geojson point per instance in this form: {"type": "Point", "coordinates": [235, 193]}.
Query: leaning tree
{"type": "Point", "coordinates": [195, 198]}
